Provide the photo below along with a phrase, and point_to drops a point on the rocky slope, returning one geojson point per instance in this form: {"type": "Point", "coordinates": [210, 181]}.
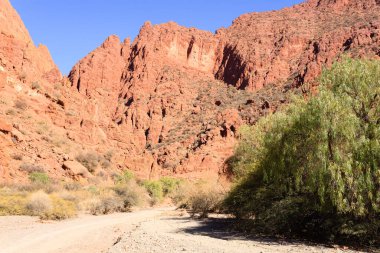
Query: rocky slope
{"type": "Point", "coordinates": [170, 102]}
{"type": "Point", "coordinates": [18, 54]}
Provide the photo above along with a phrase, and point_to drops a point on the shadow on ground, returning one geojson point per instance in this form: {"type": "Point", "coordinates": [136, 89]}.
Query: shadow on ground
{"type": "Point", "coordinates": [222, 228]}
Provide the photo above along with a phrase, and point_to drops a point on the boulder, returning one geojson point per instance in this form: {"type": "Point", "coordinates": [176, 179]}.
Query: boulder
{"type": "Point", "coordinates": [17, 135]}
{"type": "Point", "coordinates": [76, 169]}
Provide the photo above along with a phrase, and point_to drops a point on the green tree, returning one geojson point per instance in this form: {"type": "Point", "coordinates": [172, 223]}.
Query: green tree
{"type": "Point", "coordinates": [323, 154]}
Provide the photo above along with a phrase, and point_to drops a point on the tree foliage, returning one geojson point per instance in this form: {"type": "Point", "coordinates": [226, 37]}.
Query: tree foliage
{"type": "Point", "coordinates": [318, 156]}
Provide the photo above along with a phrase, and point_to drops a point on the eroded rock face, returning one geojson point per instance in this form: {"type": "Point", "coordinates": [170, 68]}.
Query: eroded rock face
{"type": "Point", "coordinates": [18, 54]}
{"type": "Point", "coordinates": [292, 45]}
{"type": "Point", "coordinates": [172, 101]}
{"type": "Point", "coordinates": [174, 116]}
{"type": "Point", "coordinates": [98, 76]}
{"type": "Point", "coordinates": [339, 5]}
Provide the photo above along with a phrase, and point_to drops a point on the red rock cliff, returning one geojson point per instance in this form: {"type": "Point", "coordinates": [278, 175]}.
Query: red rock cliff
{"type": "Point", "coordinates": [18, 54]}
{"type": "Point", "coordinates": [173, 114]}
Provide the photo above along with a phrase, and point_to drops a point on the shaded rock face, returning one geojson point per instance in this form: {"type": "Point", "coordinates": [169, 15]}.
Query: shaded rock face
{"type": "Point", "coordinates": [18, 54]}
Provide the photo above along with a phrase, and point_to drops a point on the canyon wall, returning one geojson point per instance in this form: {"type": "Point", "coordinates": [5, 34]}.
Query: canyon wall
{"type": "Point", "coordinates": [170, 102]}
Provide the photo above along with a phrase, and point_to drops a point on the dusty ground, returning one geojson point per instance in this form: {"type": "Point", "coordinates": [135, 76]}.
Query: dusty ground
{"type": "Point", "coordinates": [157, 230]}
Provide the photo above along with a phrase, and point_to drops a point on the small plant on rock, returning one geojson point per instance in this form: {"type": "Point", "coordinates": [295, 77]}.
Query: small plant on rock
{"type": "Point", "coordinates": [36, 86]}
{"type": "Point", "coordinates": [89, 160]}
{"type": "Point", "coordinates": [21, 105]}
{"type": "Point", "coordinates": [39, 178]}
{"type": "Point", "coordinates": [30, 168]}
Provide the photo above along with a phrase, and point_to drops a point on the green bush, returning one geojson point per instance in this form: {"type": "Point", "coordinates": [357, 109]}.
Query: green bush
{"type": "Point", "coordinates": [155, 190]}
{"type": "Point", "coordinates": [169, 185]}
{"type": "Point", "coordinates": [39, 178]}
{"type": "Point", "coordinates": [317, 164]}
{"type": "Point", "coordinates": [124, 178]}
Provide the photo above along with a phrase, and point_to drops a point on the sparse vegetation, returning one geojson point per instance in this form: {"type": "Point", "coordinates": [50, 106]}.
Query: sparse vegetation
{"type": "Point", "coordinates": [42, 128]}
{"type": "Point", "coordinates": [21, 105]}
{"type": "Point", "coordinates": [31, 168]}
{"type": "Point", "coordinates": [10, 112]}
{"type": "Point", "coordinates": [89, 160]}
{"type": "Point", "coordinates": [124, 178]}
{"type": "Point", "coordinates": [36, 86]}
{"type": "Point", "coordinates": [12, 203]}
{"type": "Point", "coordinates": [17, 157]}
{"type": "Point", "coordinates": [65, 201]}
{"type": "Point", "coordinates": [131, 195]}
{"type": "Point", "coordinates": [92, 160]}
{"type": "Point", "coordinates": [39, 178]}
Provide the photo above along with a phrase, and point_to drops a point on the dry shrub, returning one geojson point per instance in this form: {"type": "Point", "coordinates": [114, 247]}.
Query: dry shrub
{"type": "Point", "coordinates": [50, 207]}
{"type": "Point", "coordinates": [121, 198]}
{"type": "Point", "coordinates": [200, 199]}
{"type": "Point", "coordinates": [105, 204]}
{"type": "Point", "coordinates": [12, 203]}
{"type": "Point", "coordinates": [67, 195]}
{"type": "Point", "coordinates": [62, 209]}
{"type": "Point", "coordinates": [72, 186]}
{"type": "Point", "coordinates": [89, 160]}
{"type": "Point", "coordinates": [21, 105]}
{"type": "Point", "coordinates": [30, 168]}
{"type": "Point", "coordinates": [17, 157]}
{"type": "Point", "coordinates": [39, 204]}
{"type": "Point", "coordinates": [132, 195]}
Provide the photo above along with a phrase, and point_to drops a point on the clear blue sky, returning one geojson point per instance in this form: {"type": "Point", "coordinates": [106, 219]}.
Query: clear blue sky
{"type": "Point", "coordinates": [73, 28]}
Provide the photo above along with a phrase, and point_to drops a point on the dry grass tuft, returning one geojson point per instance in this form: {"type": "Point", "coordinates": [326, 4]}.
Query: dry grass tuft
{"type": "Point", "coordinates": [39, 204]}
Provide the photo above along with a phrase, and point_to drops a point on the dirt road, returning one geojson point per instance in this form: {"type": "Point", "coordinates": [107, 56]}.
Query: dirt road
{"type": "Point", "coordinates": [157, 230]}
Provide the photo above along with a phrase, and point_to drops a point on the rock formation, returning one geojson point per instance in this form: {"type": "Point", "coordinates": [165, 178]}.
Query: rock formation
{"type": "Point", "coordinates": [171, 115]}
{"type": "Point", "coordinates": [18, 54]}
{"type": "Point", "coordinates": [170, 102]}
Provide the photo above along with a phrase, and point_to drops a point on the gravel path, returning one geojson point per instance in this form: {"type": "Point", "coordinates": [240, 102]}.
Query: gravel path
{"type": "Point", "coordinates": [157, 230]}
{"type": "Point", "coordinates": [173, 231]}
{"type": "Point", "coordinates": [86, 234]}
